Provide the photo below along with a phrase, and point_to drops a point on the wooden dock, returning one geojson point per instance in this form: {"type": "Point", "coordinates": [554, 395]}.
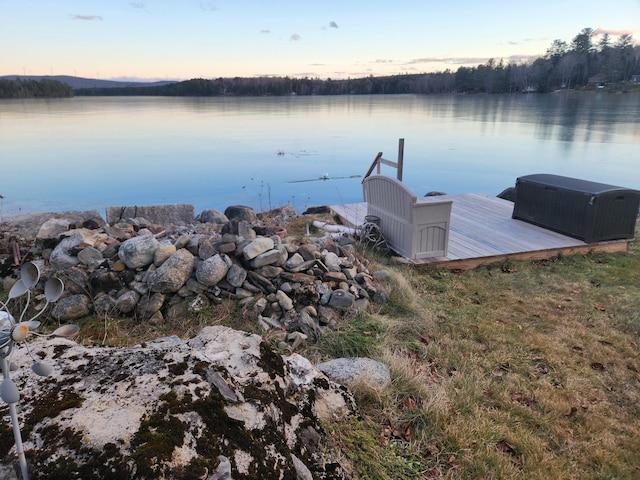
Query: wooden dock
{"type": "Point", "coordinates": [483, 232]}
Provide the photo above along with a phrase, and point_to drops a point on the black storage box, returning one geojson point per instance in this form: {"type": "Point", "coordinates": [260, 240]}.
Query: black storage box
{"type": "Point", "coordinates": [589, 211]}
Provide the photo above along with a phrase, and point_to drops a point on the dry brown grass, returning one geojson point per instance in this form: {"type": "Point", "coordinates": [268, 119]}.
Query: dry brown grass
{"type": "Point", "coordinates": [530, 371]}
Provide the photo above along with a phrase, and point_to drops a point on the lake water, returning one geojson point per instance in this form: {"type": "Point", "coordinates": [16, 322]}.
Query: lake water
{"type": "Point", "coordinates": [90, 153]}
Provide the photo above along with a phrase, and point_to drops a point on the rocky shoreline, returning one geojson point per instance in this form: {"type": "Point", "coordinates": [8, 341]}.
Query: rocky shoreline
{"type": "Point", "coordinates": [165, 264]}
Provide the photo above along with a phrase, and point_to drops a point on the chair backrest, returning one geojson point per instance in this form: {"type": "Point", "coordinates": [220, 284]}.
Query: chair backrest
{"type": "Point", "coordinates": [390, 195]}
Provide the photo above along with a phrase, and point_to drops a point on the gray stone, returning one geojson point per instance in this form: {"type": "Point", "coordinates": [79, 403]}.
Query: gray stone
{"type": "Point", "coordinates": [163, 252]}
{"type": "Point", "coordinates": [91, 257]}
{"type": "Point", "coordinates": [104, 304]}
{"type": "Point", "coordinates": [284, 301]}
{"type": "Point", "coordinates": [270, 257]}
{"type": "Point", "coordinates": [76, 280]}
{"type": "Point", "coordinates": [173, 273]}
{"type": "Point", "coordinates": [245, 230]}
{"type": "Point", "coordinates": [126, 302]}
{"type": "Point", "coordinates": [61, 257]}
{"type": "Point", "coordinates": [257, 247]}
{"type": "Point", "coordinates": [309, 326]}
{"type": "Point", "coordinates": [352, 371]}
{"type": "Point", "coordinates": [150, 305]}
{"type": "Point", "coordinates": [163, 214]}
{"type": "Point", "coordinates": [210, 271]}
{"type": "Point", "coordinates": [140, 287]}
{"type": "Point", "coordinates": [236, 275]}
{"type": "Point", "coordinates": [72, 307]}
{"type": "Point", "coordinates": [240, 213]}
{"type": "Point", "coordinates": [138, 252]}
{"type": "Point", "coordinates": [381, 275]}
{"type": "Point", "coordinates": [350, 273]}
{"type": "Point", "coordinates": [341, 299]}
{"type": "Point", "coordinates": [53, 228]}
{"type": "Point", "coordinates": [211, 215]}
{"type": "Point", "coordinates": [293, 261]}
{"type": "Point", "coordinates": [380, 298]}
{"type": "Point", "coordinates": [332, 261]}
{"type": "Point", "coordinates": [206, 249]}
{"type": "Point", "coordinates": [182, 241]}
{"type": "Point", "coordinates": [269, 271]}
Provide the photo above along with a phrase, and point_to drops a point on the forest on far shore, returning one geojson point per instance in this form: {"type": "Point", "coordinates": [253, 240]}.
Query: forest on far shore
{"type": "Point", "coordinates": [578, 64]}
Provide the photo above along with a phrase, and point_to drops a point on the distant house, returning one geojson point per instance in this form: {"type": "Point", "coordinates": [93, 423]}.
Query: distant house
{"type": "Point", "coordinates": [635, 78]}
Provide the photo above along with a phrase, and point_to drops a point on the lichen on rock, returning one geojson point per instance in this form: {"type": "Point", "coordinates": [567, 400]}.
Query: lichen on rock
{"type": "Point", "coordinates": [178, 409]}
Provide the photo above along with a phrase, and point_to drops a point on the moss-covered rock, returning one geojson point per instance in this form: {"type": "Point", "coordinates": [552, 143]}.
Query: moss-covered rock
{"type": "Point", "coordinates": [222, 401]}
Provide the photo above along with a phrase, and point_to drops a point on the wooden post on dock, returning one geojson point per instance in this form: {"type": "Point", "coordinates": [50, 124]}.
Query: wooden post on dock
{"type": "Point", "coordinates": [400, 157]}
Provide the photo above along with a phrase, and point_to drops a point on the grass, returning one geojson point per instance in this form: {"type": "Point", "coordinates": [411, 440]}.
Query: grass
{"type": "Point", "coordinates": [524, 370]}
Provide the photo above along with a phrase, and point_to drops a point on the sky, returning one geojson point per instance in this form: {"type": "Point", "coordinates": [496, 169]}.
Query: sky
{"type": "Point", "coordinates": [183, 39]}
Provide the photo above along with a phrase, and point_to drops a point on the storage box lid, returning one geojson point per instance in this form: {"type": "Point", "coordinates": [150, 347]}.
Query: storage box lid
{"type": "Point", "coordinates": [575, 184]}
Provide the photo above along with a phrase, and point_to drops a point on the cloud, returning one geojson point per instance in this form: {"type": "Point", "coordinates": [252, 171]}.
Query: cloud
{"type": "Point", "coordinates": [382, 60]}
{"type": "Point", "coordinates": [85, 17]}
{"type": "Point", "coordinates": [611, 31]}
{"type": "Point", "coordinates": [527, 40]}
{"type": "Point", "coordinates": [136, 4]}
{"type": "Point", "coordinates": [265, 31]}
{"type": "Point", "coordinates": [452, 60]}
{"type": "Point", "coordinates": [471, 60]}
{"type": "Point", "coordinates": [295, 37]}
{"type": "Point", "coordinates": [333, 25]}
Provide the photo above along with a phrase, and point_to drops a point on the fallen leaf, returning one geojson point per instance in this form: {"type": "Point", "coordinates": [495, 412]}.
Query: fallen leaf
{"type": "Point", "coordinates": [505, 447]}
{"type": "Point", "coordinates": [409, 404]}
{"type": "Point", "coordinates": [433, 472]}
{"type": "Point", "coordinates": [409, 432]}
{"type": "Point", "coordinates": [599, 307]}
{"type": "Point", "coordinates": [597, 366]}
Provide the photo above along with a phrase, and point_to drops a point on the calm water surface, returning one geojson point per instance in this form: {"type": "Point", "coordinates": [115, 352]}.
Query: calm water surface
{"type": "Point", "coordinates": [86, 153]}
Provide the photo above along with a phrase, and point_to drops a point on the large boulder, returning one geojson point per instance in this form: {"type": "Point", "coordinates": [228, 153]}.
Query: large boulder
{"type": "Point", "coordinates": [221, 405]}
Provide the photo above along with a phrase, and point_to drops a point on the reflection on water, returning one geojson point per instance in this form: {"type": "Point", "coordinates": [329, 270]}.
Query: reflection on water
{"type": "Point", "coordinates": [213, 152]}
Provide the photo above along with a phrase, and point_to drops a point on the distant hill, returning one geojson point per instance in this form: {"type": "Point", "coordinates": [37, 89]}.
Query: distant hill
{"type": "Point", "coordinates": [80, 82]}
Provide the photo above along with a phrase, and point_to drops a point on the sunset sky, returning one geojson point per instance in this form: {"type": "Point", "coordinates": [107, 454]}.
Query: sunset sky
{"type": "Point", "coordinates": [178, 40]}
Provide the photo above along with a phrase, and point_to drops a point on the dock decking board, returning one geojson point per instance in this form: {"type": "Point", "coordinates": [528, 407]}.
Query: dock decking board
{"type": "Point", "coordinates": [482, 231]}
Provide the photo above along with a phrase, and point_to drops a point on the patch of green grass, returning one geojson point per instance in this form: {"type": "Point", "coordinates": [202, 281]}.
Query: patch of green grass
{"type": "Point", "coordinates": [368, 456]}
{"type": "Point", "coordinates": [356, 336]}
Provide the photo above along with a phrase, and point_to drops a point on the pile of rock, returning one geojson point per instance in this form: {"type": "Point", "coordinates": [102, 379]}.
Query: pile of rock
{"type": "Point", "coordinates": [149, 271]}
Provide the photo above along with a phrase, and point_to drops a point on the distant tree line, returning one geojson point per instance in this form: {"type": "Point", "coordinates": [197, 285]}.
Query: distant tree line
{"type": "Point", "coordinates": [34, 89]}
{"type": "Point", "coordinates": [578, 64]}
